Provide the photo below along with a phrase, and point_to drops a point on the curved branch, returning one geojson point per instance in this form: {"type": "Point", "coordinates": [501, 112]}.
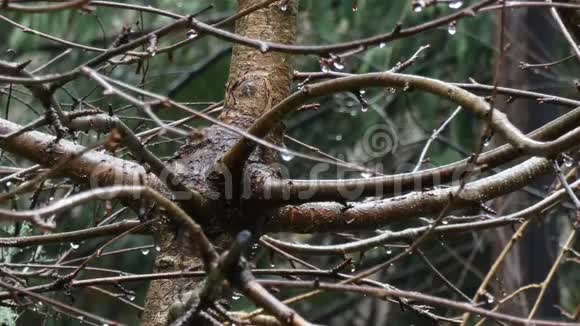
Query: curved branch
{"type": "Point", "coordinates": [546, 98]}
{"type": "Point", "coordinates": [328, 217]}
{"type": "Point", "coordinates": [239, 153]}
{"type": "Point", "coordinates": [288, 191]}
{"type": "Point", "coordinates": [397, 33]}
{"type": "Point", "coordinates": [173, 211]}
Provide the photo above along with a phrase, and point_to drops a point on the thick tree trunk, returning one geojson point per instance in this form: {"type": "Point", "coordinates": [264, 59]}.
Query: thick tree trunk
{"type": "Point", "coordinates": [257, 81]}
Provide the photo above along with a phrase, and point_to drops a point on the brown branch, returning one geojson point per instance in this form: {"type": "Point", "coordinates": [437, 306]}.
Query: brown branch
{"type": "Point", "coordinates": [72, 236]}
{"type": "Point", "coordinates": [96, 169]}
{"type": "Point", "coordinates": [73, 4]}
{"type": "Point", "coordinates": [76, 311]}
{"type": "Point", "coordinates": [397, 33]}
{"type": "Point", "coordinates": [288, 191]}
{"type": "Point", "coordinates": [62, 78]}
{"type": "Point", "coordinates": [327, 217]}
{"type": "Point", "coordinates": [238, 154]}
{"type": "Point", "coordinates": [427, 299]}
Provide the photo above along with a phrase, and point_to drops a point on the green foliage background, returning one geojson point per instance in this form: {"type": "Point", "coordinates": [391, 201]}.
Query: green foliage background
{"type": "Point", "coordinates": [336, 128]}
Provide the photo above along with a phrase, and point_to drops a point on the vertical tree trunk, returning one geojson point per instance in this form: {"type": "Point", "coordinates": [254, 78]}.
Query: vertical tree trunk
{"type": "Point", "coordinates": [258, 80]}
{"type": "Point", "coordinates": [531, 258]}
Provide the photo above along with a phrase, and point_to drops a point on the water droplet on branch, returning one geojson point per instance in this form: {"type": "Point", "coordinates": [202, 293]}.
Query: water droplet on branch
{"type": "Point", "coordinates": [456, 4]}
{"type": "Point", "coordinates": [364, 105]}
{"type": "Point", "coordinates": [452, 29]}
{"type": "Point", "coordinates": [418, 5]}
{"type": "Point", "coordinates": [287, 155]}
{"type": "Point", "coordinates": [192, 33]}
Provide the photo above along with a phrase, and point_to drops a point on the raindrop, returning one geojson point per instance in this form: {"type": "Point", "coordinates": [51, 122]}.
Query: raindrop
{"type": "Point", "coordinates": [490, 299]}
{"type": "Point", "coordinates": [418, 6]}
{"type": "Point", "coordinates": [74, 246]}
{"type": "Point", "coordinates": [392, 90]}
{"type": "Point", "coordinates": [236, 296]}
{"type": "Point", "coordinates": [568, 162]}
{"type": "Point", "coordinates": [8, 184]}
{"type": "Point", "coordinates": [131, 297]}
{"type": "Point", "coordinates": [382, 45]}
{"type": "Point", "coordinates": [272, 265]}
{"type": "Point", "coordinates": [352, 268]}
{"type": "Point", "coordinates": [51, 199]}
{"type": "Point", "coordinates": [389, 251]}
{"type": "Point", "coordinates": [366, 174]}
{"type": "Point", "coordinates": [192, 33]}
{"type": "Point", "coordinates": [157, 248]}
{"type": "Point", "coordinates": [452, 29]}
{"type": "Point", "coordinates": [284, 6]}
{"type": "Point", "coordinates": [324, 68]}
{"type": "Point", "coordinates": [455, 4]}
{"type": "Point", "coordinates": [353, 113]}
{"type": "Point", "coordinates": [445, 222]}
{"type": "Point", "coordinates": [338, 137]}
{"type": "Point", "coordinates": [364, 105]}
{"type": "Point", "coordinates": [287, 155]}
{"type": "Point", "coordinates": [145, 252]}
{"type": "Point", "coordinates": [354, 5]}
{"type": "Point", "coordinates": [338, 65]}
{"type": "Point", "coordinates": [264, 47]}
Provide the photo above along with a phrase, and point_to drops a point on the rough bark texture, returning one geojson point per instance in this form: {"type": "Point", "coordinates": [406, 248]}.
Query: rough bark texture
{"type": "Point", "coordinates": [257, 81]}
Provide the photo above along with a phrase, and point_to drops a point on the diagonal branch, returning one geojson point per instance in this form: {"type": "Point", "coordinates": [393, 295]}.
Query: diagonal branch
{"type": "Point", "coordinates": [239, 153]}
{"type": "Point", "coordinates": [96, 169]}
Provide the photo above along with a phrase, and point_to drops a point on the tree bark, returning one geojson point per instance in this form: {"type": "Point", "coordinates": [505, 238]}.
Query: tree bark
{"type": "Point", "coordinates": [257, 81]}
